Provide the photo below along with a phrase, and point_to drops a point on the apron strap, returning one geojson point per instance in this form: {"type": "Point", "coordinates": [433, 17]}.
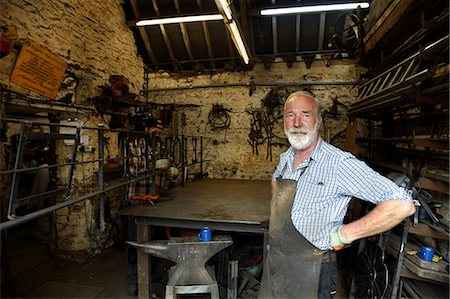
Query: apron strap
{"type": "Point", "coordinates": [283, 171]}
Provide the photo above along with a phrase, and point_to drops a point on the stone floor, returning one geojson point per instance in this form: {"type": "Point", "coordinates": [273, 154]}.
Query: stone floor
{"type": "Point", "coordinates": [34, 274]}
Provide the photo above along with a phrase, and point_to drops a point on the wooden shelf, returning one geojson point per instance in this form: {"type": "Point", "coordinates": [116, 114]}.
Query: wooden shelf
{"type": "Point", "coordinates": [436, 143]}
{"type": "Point", "coordinates": [426, 230]}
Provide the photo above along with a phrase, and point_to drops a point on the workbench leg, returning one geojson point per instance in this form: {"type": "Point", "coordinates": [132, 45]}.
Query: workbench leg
{"type": "Point", "coordinates": [143, 263]}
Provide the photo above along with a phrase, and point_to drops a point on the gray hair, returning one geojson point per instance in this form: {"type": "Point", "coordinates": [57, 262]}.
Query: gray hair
{"type": "Point", "coordinates": [305, 94]}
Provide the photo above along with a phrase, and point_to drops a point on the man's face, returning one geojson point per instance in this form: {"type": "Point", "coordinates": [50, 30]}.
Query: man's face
{"type": "Point", "coordinates": [301, 124]}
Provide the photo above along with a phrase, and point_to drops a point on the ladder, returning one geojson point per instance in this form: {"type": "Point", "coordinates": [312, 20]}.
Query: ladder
{"type": "Point", "coordinates": [396, 81]}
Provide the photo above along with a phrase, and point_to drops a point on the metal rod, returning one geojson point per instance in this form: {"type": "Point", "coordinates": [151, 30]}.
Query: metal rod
{"type": "Point", "coordinates": [16, 220]}
{"type": "Point", "coordinates": [201, 156]}
{"type": "Point", "coordinates": [401, 255]}
{"type": "Point", "coordinates": [153, 161]}
{"type": "Point", "coordinates": [72, 161]}
{"type": "Point", "coordinates": [40, 196]}
{"type": "Point", "coordinates": [262, 84]}
{"type": "Point", "coordinates": [42, 101]}
{"type": "Point", "coordinates": [16, 176]}
{"type": "Point", "coordinates": [101, 182]}
{"type": "Point", "coordinates": [183, 166]}
{"type": "Point", "coordinates": [3, 172]}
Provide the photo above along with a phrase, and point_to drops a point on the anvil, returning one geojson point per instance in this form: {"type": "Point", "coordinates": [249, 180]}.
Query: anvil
{"type": "Point", "coordinates": [190, 256]}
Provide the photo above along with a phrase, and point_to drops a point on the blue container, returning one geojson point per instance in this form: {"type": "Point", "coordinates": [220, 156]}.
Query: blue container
{"type": "Point", "coordinates": [426, 253]}
{"type": "Point", "coordinates": [205, 234]}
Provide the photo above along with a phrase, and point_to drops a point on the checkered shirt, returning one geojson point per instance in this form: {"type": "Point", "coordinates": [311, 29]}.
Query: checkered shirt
{"type": "Point", "coordinates": [326, 182]}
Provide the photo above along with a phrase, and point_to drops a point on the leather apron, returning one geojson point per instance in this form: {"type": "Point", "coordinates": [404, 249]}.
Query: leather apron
{"type": "Point", "coordinates": [292, 264]}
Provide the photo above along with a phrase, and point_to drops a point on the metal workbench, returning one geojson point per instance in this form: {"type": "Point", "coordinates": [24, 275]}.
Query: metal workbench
{"type": "Point", "coordinates": [226, 205]}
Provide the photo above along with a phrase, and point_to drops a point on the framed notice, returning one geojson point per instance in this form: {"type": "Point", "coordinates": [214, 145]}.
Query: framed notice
{"type": "Point", "coordinates": [38, 70]}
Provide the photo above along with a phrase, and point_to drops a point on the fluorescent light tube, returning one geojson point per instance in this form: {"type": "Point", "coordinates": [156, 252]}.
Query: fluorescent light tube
{"type": "Point", "coordinates": [180, 20]}
{"type": "Point", "coordinates": [226, 9]}
{"type": "Point", "coordinates": [239, 41]}
{"type": "Point", "coordinates": [312, 8]}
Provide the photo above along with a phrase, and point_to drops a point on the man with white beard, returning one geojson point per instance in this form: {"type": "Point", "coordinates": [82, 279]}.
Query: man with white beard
{"type": "Point", "coordinates": [325, 179]}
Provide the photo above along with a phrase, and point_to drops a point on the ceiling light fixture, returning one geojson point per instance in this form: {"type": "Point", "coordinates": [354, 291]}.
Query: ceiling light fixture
{"type": "Point", "coordinates": [312, 8]}
{"type": "Point", "coordinates": [186, 19]}
{"type": "Point", "coordinates": [233, 27]}
{"type": "Point", "coordinates": [240, 43]}
{"type": "Point", "coordinates": [226, 9]}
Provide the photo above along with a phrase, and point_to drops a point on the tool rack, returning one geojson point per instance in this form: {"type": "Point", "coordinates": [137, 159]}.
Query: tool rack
{"type": "Point", "coordinates": [186, 156]}
{"type": "Point", "coordinates": [403, 113]}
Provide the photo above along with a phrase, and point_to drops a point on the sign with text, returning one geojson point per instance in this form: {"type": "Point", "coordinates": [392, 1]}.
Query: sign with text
{"type": "Point", "coordinates": [38, 70]}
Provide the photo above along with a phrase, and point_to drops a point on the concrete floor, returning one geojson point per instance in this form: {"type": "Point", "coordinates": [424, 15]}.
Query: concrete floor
{"type": "Point", "coordinates": [34, 274]}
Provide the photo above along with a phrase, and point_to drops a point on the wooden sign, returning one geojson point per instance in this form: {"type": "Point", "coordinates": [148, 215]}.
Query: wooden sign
{"type": "Point", "coordinates": [38, 70]}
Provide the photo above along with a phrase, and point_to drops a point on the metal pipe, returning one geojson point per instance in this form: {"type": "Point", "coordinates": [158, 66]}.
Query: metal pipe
{"type": "Point", "coordinates": [400, 257]}
{"type": "Point", "coordinates": [152, 153]}
{"type": "Point", "coordinates": [262, 84]}
{"type": "Point", "coordinates": [16, 220]}
{"type": "Point", "coordinates": [3, 172]}
{"type": "Point", "coordinates": [41, 100]}
{"type": "Point", "coordinates": [72, 161]}
{"type": "Point", "coordinates": [201, 156]}
{"type": "Point", "coordinates": [16, 176]}
{"type": "Point", "coordinates": [183, 166]}
{"type": "Point", "coordinates": [101, 185]}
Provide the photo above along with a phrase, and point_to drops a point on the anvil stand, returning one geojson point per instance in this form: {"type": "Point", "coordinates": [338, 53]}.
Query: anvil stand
{"type": "Point", "coordinates": [189, 275]}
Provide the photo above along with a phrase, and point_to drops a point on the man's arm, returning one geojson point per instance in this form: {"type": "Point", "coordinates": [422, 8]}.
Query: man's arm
{"type": "Point", "coordinates": [383, 217]}
{"type": "Point", "coordinates": [273, 185]}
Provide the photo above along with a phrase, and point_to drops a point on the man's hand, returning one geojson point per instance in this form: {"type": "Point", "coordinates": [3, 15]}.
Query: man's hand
{"type": "Point", "coordinates": [336, 239]}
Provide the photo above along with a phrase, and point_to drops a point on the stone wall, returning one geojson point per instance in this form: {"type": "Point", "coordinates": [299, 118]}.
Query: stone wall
{"type": "Point", "coordinates": [228, 150]}
{"type": "Point", "coordinates": [91, 36]}
{"type": "Point", "coordinates": [94, 40]}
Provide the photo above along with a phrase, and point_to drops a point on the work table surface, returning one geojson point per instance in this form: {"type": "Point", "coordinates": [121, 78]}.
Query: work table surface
{"type": "Point", "coordinates": [215, 200]}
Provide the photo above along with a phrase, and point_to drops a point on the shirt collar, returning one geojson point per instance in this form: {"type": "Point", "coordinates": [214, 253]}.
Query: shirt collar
{"type": "Point", "coordinates": [316, 152]}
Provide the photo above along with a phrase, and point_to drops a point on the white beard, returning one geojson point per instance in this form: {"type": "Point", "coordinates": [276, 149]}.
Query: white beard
{"type": "Point", "coordinates": [301, 138]}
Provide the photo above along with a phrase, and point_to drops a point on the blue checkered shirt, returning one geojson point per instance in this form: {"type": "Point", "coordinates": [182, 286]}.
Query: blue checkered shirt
{"type": "Point", "coordinates": [326, 182]}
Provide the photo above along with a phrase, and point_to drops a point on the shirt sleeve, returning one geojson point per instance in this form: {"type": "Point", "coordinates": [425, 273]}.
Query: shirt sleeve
{"type": "Point", "coordinates": [358, 180]}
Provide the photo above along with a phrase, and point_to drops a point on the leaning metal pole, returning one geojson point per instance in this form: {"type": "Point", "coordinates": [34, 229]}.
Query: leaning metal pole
{"type": "Point", "coordinates": [101, 185]}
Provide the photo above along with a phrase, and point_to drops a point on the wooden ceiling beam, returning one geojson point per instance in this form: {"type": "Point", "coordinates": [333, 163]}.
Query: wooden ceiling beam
{"type": "Point", "coordinates": [144, 35]}
{"type": "Point", "coordinates": [230, 47]}
{"type": "Point", "coordinates": [207, 38]}
{"type": "Point", "coordinates": [186, 40]}
{"type": "Point", "coordinates": [166, 38]}
{"type": "Point", "coordinates": [274, 33]}
{"type": "Point", "coordinates": [323, 17]}
{"type": "Point", "coordinates": [250, 29]}
{"type": "Point", "coordinates": [382, 19]}
{"type": "Point", "coordinates": [297, 33]}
